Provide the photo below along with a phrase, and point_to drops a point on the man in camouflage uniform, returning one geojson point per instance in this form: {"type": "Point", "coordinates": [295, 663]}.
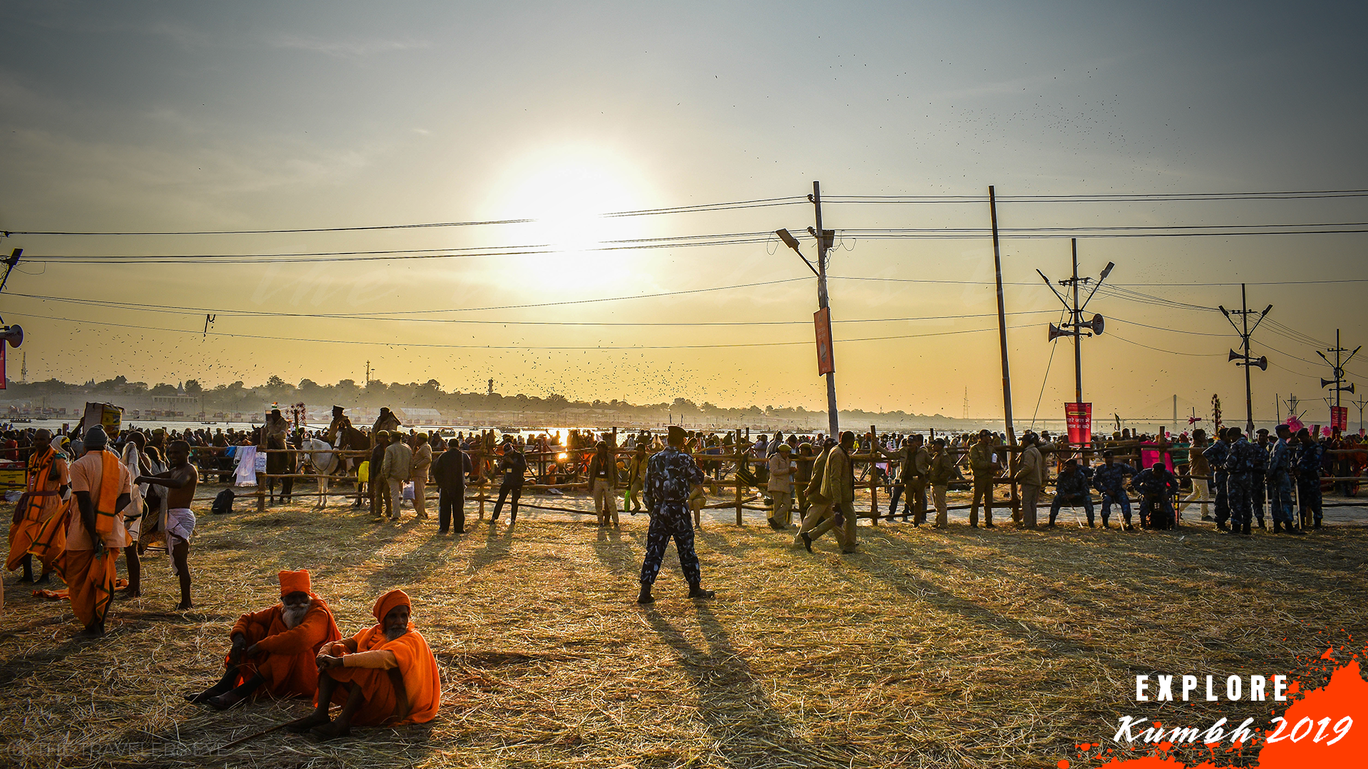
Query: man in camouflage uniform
{"type": "Point", "coordinates": [669, 474]}
{"type": "Point", "coordinates": [1071, 488]}
{"type": "Point", "coordinates": [1280, 482]}
{"type": "Point", "coordinates": [1110, 479]}
{"type": "Point", "coordinates": [1217, 454]}
{"type": "Point", "coordinates": [1258, 477]}
{"type": "Point", "coordinates": [1156, 486]}
{"type": "Point", "coordinates": [1240, 463]}
{"type": "Point", "coordinates": [1309, 456]}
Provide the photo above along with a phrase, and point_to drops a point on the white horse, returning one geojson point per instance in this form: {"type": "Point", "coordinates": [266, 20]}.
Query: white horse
{"type": "Point", "coordinates": [322, 459]}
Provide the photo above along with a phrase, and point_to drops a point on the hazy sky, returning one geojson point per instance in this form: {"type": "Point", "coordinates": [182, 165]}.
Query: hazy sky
{"type": "Point", "coordinates": [162, 117]}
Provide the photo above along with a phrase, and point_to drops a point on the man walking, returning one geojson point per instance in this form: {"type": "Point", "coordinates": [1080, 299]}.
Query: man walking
{"type": "Point", "coordinates": [838, 486]}
{"type": "Point", "coordinates": [669, 476]}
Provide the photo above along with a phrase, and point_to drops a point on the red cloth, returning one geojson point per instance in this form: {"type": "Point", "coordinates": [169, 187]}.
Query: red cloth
{"type": "Point", "coordinates": [285, 656]}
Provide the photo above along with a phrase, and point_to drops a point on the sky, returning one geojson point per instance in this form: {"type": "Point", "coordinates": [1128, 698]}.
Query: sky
{"type": "Point", "coordinates": [169, 118]}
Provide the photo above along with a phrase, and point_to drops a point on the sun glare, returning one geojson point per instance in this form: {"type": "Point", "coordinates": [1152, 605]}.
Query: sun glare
{"type": "Point", "coordinates": [567, 192]}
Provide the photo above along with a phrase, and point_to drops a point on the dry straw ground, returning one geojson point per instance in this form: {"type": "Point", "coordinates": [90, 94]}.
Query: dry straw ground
{"type": "Point", "coordinates": [961, 647]}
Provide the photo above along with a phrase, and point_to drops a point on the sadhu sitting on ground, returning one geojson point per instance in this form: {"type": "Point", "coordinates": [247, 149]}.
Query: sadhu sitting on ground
{"type": "Point", "coordinates": [384, 675]}
{"type": "Point", "coordinates": [274, 649]}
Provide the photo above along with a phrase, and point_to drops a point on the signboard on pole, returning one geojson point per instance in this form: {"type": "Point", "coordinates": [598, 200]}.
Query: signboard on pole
{"type": "Point", "coordinates": [826, 359]}
{"type": "Point", "coordinates": [1339, 418]}
{"type": "Point", "coordinates": [1078, 417]}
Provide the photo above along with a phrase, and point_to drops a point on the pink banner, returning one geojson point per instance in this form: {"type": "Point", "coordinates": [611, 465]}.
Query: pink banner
{"type": "Point", "coordinates": [1078, 417]}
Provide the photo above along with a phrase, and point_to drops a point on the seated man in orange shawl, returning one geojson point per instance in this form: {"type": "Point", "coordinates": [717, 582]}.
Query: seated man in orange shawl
{"type": "Point", "coordinates": [384, 675]}
{"type": "Point", "coordinates": [48, 476]}
{"type": "Point", "coordinates": [275, 647]}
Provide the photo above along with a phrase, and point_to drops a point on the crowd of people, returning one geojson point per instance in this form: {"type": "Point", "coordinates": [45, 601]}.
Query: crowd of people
{"type": "Point", "coordinates": [94, 494]}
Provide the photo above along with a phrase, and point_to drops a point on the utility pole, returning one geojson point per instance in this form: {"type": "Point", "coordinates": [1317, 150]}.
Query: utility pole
{"type": "Point", "coordinates": [368, 373]}
{"type": "Point", "coordinates": [824, 239]}
{"type": "Point", "coordinates": [1244, 359]}
{"type": "Point", "coordinates": [1002, 323]}
{"type": "Point", "coordinates": [1360, 403]}
{"type": "Point", "coordinates": [1075, 326]}
{"type": "Point", "coordinates": [823, 243]}
{"type": "Point", "coordinates": [1338, 369]}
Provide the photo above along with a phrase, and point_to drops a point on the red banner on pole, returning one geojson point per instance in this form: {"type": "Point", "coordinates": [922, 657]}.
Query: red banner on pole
{"type": "Point", "coordinates": [826, 358]}
{"type": "Point", "coordinates": [1339, 418]}
{"type": "Point", "coordinates": [1078, 417]}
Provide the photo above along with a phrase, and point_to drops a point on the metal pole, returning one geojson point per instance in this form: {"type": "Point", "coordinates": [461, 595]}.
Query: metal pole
{"type": "Point", "coordinates": [1077, 328]}
{"type": "Point", "coordinates": [1002, 322]}
{"type": "Point", "coordinates": [832, 421]}
{"type": "Point", "coordinates": [1337, 370]}
{"type": "Point", "coordinates": [1249, 390]}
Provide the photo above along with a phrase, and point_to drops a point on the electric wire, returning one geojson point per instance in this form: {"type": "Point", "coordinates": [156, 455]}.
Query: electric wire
{"type": "Point", "coordinates": [237, 313]}
{"type": "Point", "coordinates": [428, 345]}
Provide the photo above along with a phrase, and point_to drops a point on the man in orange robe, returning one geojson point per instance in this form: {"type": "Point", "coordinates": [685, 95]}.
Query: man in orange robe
{"type": "Point", "coordinates": [384, 675]}
{"type": "Point", "coordinates": [48, 475]}
{"type": "Point", "coordinates": [274, 649]}
{"type": "Point", "coordinates": [103, 488]}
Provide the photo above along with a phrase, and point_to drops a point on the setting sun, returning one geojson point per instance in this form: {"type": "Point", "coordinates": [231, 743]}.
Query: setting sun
{"type": "Point", "coordinates": [567, 191]}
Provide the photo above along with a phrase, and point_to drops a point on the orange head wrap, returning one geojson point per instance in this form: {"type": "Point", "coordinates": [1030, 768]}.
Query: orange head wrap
{"type": "Point", "coordinates": [294, 582]}
{"type": "Point", "coordinates": [388, 601]}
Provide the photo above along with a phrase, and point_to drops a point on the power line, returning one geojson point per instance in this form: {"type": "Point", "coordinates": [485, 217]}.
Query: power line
{"type": "Point", "coordinates": [1116, 197]}
{"type": "Point", "coordinates": [389, 343]}
{"type": "Point", "coordinates": [403, 254]}
{"type": "Point", "coordinates": [699, 208]}
{"type": "Point", "coordinates": [232, 313]}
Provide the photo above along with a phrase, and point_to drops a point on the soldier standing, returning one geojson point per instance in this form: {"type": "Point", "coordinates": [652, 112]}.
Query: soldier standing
{"type": "Point", "coordinates": [1239, 470]}
{"type": "Point", "coordinates": [1280, 482]}
{"type": "Point", "coordinates": [984, 467]}
{"type": "Point", "coordinates": [1309, 455]}
{"type": "Point", "coordinates": [1258, 476]}
{"type": "Point", "coordinates": [1216, 455]}
{"type": "Point", "coordinates": [669, 476]}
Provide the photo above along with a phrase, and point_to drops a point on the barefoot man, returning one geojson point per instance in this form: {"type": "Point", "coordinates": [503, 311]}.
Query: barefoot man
{"type": "Point", "coordinates": [180, 482]}
{"type": "Point", "coordinates": [103, 488]}
{"type": "Point", "coordinates": [384, 675]}
{"type": "Point", "coordinates": [48, 477]}
{"type": "Point", "coordinates": [274, 649]}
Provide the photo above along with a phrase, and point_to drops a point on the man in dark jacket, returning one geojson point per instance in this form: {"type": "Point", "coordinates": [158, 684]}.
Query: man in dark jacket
{"type": "Point", "coordinates": [1071, 488]}
{"type": "Point", "coordinates": [513, 466]}
{"type": "Point", "coordinates": [450, 471]}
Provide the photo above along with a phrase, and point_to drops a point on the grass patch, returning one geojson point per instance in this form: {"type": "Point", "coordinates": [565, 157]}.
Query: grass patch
{"type": "Point", "coordinates": [961, 647]}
